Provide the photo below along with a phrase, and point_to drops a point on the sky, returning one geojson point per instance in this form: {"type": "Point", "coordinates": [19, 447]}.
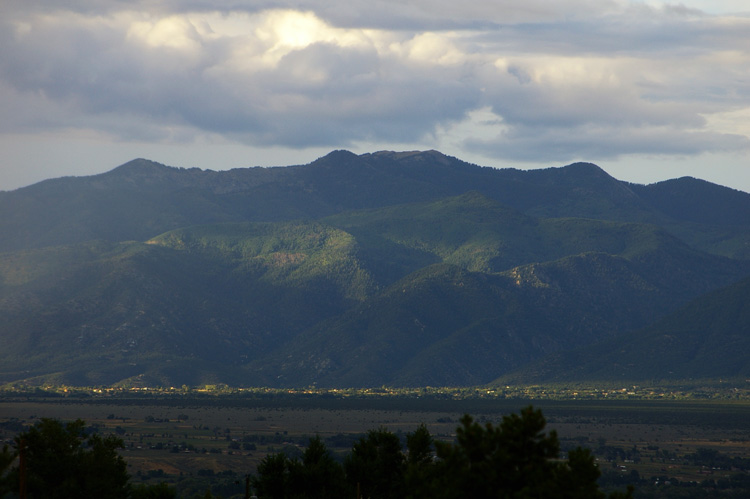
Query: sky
{"type": "Point", "coordinates": [648, 90]}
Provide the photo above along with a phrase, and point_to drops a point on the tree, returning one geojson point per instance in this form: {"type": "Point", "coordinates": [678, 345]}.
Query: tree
{"type": "Point", "coordinates": [6, 460]}
{"type": "Point", "coordinates": [419, 447]}
{"type": "Point", "coordinates": [318, 475]}
{"type": "Point", "coordinates": [375, 467]}
{"type": "Point", "coordinates": [272, 477]}
{"type": "Point", "coordinates": [62, 462]}
{"type": "Point", "coordinates": [516, 459]}
{"type": "Point", "coordinates": [156, 491]}
{"type": "Point", "coordinates": [419, 462]}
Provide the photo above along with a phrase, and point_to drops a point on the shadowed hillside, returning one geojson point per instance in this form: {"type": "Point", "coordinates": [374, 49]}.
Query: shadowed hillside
{"type": "Point", "coordinates": [707, 339]}
{"type": "Point", "coordinates": [405, 269]}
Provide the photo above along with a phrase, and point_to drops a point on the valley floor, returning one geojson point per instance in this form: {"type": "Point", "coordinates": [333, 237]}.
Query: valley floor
{"type": "Point", "coordinates": [688, 447]}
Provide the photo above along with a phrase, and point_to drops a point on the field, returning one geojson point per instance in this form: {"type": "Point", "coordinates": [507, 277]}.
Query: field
{"type": "Point", "coordinates": [199, 442]}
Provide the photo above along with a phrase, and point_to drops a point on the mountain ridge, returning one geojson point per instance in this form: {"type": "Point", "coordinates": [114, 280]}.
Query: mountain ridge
{"type": "Point", "coordinates": [46, 214]}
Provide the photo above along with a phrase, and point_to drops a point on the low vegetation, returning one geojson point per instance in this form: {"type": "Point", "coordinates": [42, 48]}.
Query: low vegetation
{"type": "Point", "coordinates": [689, 443]}
{"type": "Point", "coordinates": [516, 458]}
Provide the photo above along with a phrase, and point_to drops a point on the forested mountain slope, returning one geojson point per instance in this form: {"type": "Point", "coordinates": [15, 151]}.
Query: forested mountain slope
{"type": "Point", "coordinates": [706, 339]}
{"type": "Point", "coordinates": [384, 268]}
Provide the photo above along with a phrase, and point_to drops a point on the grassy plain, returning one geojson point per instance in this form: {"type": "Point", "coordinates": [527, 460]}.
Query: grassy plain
{"type": "Point", "coordinates": [209, 438]}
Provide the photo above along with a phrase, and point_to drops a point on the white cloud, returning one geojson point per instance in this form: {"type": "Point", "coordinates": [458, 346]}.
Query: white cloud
{"type": "Point", "coordinates": [731, 122]}
{"type": "Point", "coordinates": [531, 81]}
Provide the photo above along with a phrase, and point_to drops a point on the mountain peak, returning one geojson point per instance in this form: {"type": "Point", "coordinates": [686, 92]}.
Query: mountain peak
{"type": "Point", "coordinates": [719, 205]}
{"type": "Point", "coordinates": [337, 160]}
{"type": "Point", "coordinates": [338, 155]}
{"type": "Point", "coordinates": [146, 174]}
{"type": "Point", "coordinates": [586, 169]}
{"type": "Point", "coordinates": [421, 156]}
{"type": "Point", "coordinates": [138, 165]}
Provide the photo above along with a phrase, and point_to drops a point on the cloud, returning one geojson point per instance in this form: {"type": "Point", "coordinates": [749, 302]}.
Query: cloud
{"type": "Point", "coordinates": [567, 144]}
{"type": "Point", "coordinates": [588, 79]}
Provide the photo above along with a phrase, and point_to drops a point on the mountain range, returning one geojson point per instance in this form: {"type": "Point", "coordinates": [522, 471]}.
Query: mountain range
{"type": "Point", "coordinates": [390, 268]}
